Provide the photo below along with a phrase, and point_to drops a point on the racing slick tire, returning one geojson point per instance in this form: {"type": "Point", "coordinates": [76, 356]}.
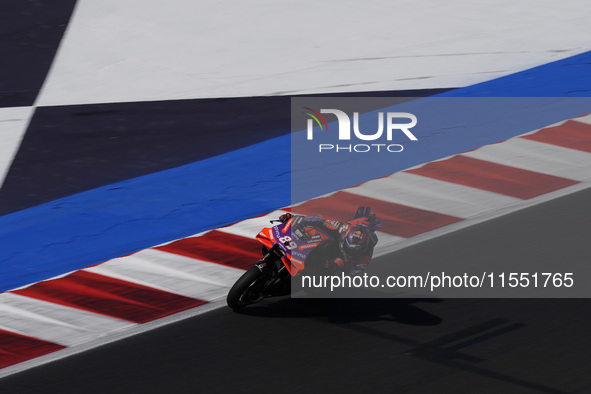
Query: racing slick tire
{"type": "Point", "coordinates": [247, 289]}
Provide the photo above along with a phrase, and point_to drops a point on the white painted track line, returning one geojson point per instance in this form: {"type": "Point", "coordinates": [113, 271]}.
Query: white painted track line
{"type": "Point", "coordinates": [13, 126]}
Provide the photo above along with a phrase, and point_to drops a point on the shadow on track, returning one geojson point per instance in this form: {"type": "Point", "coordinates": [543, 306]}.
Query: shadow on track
{"type": "Point", "coordinates": [346, 310]}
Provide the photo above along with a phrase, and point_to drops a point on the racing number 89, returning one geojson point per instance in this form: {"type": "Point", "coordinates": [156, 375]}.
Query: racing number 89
{"type": "Point", "coordinates": [289, 244]}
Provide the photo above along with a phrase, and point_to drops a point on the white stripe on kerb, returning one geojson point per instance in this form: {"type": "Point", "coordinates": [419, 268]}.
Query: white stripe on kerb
{"type": "Point", "coordinates": [173, 273]}
{"type": "Point", "coordinates": [432, 195]}
{"type": "Point", "coordinates": [584, 119]}
{"type": "Point", "coordinates": [537, 156]}
{"type": "Point", "coordinates": [53, 322]}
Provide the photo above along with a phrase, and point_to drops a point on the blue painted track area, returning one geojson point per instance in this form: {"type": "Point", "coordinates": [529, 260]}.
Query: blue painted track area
{"type": "Point", "coordinates": [129, 215]}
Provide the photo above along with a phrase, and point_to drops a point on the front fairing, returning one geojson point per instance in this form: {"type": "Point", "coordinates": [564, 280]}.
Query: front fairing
{"type": "Point", "coordinates": [295, 245]}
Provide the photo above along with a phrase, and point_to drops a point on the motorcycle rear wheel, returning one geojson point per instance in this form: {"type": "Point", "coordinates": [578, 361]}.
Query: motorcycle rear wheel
{"type": "Point", "coordinates": [247, 289]}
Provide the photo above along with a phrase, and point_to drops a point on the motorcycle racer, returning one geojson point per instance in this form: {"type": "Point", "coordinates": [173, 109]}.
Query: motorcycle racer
{"type": "Point", "coordinates": [354, 243]}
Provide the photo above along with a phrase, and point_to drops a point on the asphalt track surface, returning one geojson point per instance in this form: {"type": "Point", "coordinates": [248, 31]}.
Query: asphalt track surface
{"type": "Point", "coordinates": [410, 346]}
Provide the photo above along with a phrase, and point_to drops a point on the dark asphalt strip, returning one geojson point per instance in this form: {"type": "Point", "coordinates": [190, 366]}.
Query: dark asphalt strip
{"type": "Point", "coordinates": [30, 34]}
{"type": "Point", "coordinates": [72, 148]}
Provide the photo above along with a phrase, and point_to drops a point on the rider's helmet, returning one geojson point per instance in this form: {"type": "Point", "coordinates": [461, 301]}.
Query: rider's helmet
{"type": "Point", "coordinates": [355, 241]}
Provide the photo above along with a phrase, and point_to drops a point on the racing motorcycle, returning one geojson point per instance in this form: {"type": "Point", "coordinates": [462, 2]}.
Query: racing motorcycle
{"type": "Point", "coordinates": [284, 252]}
{"type": "Point", "coordinates": [286, 248]}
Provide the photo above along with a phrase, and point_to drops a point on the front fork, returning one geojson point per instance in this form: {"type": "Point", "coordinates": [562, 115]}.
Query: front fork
{"type": "Point", "coordinates": [271, 262]}
{"type": "Point", "coordinates": [272, 267]}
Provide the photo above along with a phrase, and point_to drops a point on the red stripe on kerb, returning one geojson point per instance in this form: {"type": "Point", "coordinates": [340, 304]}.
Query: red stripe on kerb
{"type": "Point", "coordinates": [15, 348]}
{"type": "Point", "coordinates": [218, 247]}
{"type": "Point", "coordinates": [399, 220]}
{"type": "Point", "coordinates": [492, 177]}
{"type": "Point", "coordinates": [108, 296]}
{"type": "Point", "coordinates": [571, 134]}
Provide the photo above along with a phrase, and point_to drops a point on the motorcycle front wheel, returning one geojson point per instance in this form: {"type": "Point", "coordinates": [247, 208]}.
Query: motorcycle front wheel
{"type": "Point", "coordinates": [247, 289]}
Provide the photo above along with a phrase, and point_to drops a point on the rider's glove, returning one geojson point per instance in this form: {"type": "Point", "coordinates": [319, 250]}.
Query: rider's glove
{"type": "Point", "coordinates": [285, 217]}
{"type": "Point", "coordinates": [339, 262]}
{"type": "Point", "coordinates": [363, 216]}
{"type": "Point", "coordinates": [334, 266]}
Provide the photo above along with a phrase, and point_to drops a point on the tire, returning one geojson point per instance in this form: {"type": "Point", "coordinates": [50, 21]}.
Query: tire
{"type": "Point", "coordinates": [245, 291]}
